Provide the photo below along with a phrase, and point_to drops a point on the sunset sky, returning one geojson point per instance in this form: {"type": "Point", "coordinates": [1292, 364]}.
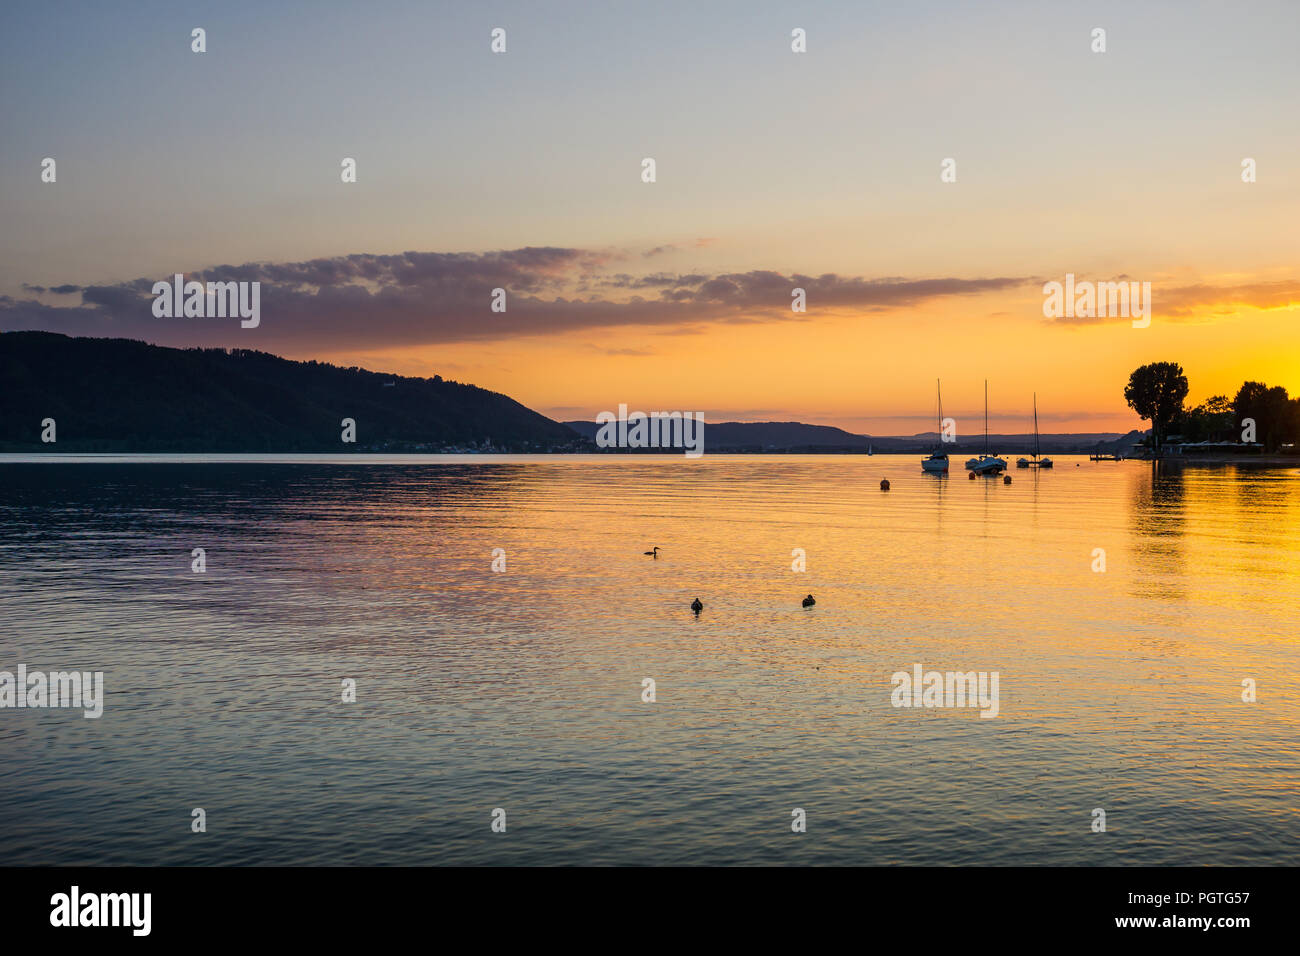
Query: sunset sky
{"type": "Point", "coordinates": [774, 170]}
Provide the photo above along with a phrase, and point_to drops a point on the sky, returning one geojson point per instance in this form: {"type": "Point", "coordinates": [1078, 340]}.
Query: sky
{"type": "Point", "coordinates": [775, 170]}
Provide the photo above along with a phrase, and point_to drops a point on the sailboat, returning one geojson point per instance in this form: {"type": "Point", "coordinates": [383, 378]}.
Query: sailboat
{"type": "Point", "coordinates": [937, 463]}
{"type": "Point", "coordinates": [1043, 462]}
{"type": "Point", "coordinates": [1037, 462]}
{"type": "Point", "coordinates": [986, 464]}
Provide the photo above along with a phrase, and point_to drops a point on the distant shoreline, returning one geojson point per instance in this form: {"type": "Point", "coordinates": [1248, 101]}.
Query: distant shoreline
{"type": "Point", "coordinates": [487, 458]}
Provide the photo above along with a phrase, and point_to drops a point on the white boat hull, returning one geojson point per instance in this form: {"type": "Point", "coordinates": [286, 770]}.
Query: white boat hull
{"type": "Point", "coordinates": [989, 465]}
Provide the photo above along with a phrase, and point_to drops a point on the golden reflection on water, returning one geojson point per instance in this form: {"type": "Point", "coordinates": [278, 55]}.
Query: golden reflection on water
{"type": "Point", "coordinates": [1120, 689]}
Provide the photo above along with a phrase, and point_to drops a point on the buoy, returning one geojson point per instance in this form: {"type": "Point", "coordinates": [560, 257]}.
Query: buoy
{"type": "Point", "coordinates": [884, 484]}
{"type": "Point", "coordinates": [697, 607]}
{"type": "Point", "coordinates": [971, 476]}
{"type": "Point", "coordinates": [1006, 479]}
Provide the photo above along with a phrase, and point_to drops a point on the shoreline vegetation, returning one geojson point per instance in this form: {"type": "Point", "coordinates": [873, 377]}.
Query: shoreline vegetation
{"type": "Point", "coordinates": [1259, 423]}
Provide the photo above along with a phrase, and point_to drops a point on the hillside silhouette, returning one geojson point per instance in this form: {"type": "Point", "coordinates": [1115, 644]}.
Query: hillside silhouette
{"type": "Point", "coordinates": [797, 437]}
{"type": "Point", "coordinates": [125, 395]}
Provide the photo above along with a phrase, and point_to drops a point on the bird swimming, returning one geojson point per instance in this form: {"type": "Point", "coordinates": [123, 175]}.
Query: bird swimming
{"type": "Point", "coordinates": [654, 553]}
{"type": "Point", "coordinates": [809, 601]}
{"type": "Point", "coordinates": [697, 607]}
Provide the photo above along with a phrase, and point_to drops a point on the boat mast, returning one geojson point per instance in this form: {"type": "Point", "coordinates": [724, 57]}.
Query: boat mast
{"type": "Point", "coordinates": [1035, 426]}
{"type": "Point", "coordinates": [938, 390]}
{"type": "Point", "coordinates": [986, 416]}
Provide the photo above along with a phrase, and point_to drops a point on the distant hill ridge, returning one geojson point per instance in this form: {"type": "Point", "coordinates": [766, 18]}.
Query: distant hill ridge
{"type": "Point", "coordinates": [125, 395]}
{"type": "Point", "coordinates": [765, 434]}
{"type": "Point", "coordinates": [790, 436]}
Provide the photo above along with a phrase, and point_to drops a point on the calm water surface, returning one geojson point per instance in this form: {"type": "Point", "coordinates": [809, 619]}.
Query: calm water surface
{"type": "Point", "coordinates": [522, 690]}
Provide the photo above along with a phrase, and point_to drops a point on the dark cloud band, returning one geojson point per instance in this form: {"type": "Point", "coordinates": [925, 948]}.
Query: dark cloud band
{"type": "Point", "coordinates": [422, 298]}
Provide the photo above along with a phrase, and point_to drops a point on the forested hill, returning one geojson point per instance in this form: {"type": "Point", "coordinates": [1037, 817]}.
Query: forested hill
{"type": "Point", "coordinates": [763, 436]}
{"type": "Point", "coordinates": [124, 395]}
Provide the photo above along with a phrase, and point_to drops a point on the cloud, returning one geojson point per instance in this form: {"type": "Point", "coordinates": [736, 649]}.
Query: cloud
{"type": "Point", "coordinates": [622, 352]}
{"type": "Point", "coordinates": [1195, 301]}
{"type": "Point", "coordinates": [372, 302]}
{"type": "Point", "coordinates": [57, 290]}
{"type": "Point", "coordinates": [1204, 302]}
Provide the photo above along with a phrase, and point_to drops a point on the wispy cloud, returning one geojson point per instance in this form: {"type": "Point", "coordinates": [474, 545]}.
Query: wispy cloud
{"type": "Point", "coordinates": [1195, 301]}
{"type": "Point", "coordinates": [1205, 302]}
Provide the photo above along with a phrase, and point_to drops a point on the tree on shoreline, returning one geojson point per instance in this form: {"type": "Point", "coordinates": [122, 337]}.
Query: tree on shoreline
{"type": "Point", "coordinates": [1212, 420]}
{"type": "Point", "coordinates": [1272, 410]}
{"type": "Point", "coordinates": [1156, 392]}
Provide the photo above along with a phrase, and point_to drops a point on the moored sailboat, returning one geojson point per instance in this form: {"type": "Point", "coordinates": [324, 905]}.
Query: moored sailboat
{"type": "Point", "coordinates": [1037, 462]}
{"type": "Point", "coordinates": [986, 464]}
{"type": "Point", "coordinates": [1043, 462]}
{"type": "Point", "coordinates": [937, 463]}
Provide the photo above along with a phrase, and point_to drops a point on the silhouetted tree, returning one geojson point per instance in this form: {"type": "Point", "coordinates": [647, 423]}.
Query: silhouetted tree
{"type": "Point", "coordinates": [1156, 392]}
{"type": "Point", "coordinates": [1271, 409]}
{"type": "Point", "coordinates": [1212, 420]}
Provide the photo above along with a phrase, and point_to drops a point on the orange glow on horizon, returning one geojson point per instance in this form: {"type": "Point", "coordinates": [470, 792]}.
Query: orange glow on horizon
{"type": "Point", "coordinates": [870, 372]}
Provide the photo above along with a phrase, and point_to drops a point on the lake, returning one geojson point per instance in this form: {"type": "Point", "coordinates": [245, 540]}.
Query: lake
{"type": "Point", "coordinates": [476, 689]}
